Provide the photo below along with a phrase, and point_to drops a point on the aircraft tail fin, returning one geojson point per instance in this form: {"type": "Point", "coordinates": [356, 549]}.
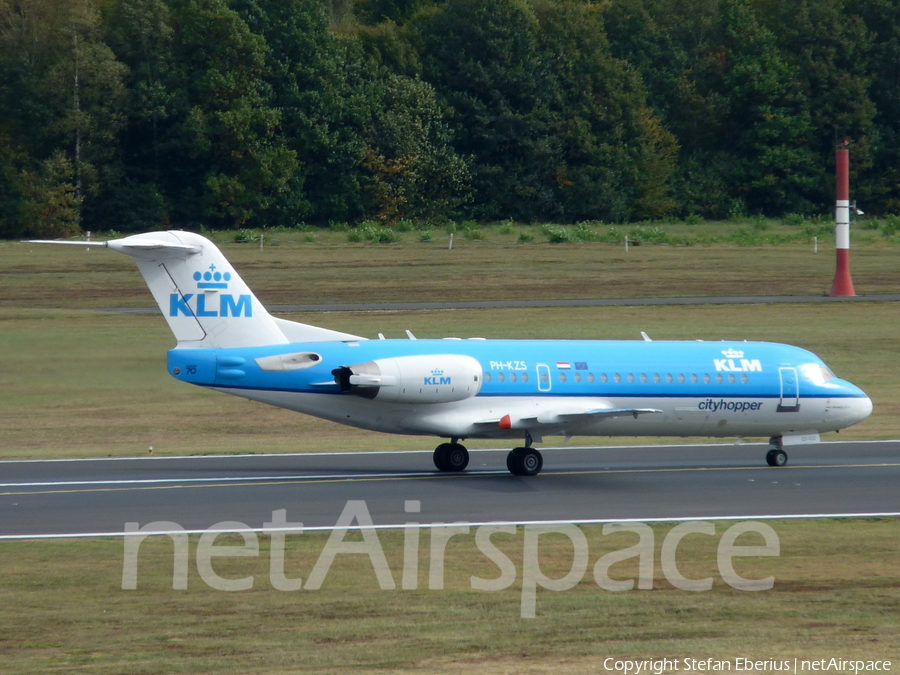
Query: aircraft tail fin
{"type": "Point", "coordinates": [202, 297]}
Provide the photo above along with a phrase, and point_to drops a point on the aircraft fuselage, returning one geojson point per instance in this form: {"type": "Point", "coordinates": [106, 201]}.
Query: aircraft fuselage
{"type": "Point", "coordinates": [502, 388]}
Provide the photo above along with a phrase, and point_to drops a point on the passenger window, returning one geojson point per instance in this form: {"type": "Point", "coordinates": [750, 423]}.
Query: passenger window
{"type": "Point", "coordinates": [681, 378]}
{"type": "Point", "coordinates": [669, 378]}
{"type": "Point", "coordinates": [731, 379]}
{"type": "Point", "coordinates": [578, 377]}
{"type": "Point", "coordinates": [604, 379]}
{"type": "Point", "coordinates": [562, 377]}
{"type": "Point", "coordinates": [591, 378]}
{"type": "Point", "coordinates": [630, 378]}
{"type": "Point", "coordinates": [500, 377]}
{"type": "Point", "coordinates": [656, 377]}
{"type": "Point", "coordinates": [744, 379]}
{"type": "Point", "coordinates": [719, 378]}
{"type": "Point", "coordinates": [512, 377]}
{"type": "Point", "coordinates": [487, 377]}
{"type": "Point", "coordinates": [707, 379]}
{"type": "Point", "coordinates": [694, 379]}
{"type": "Point", "coordinates": [643, 378]}
{"type": "Point", "coordinates": [524, 377]}
{"type": "Point", "coordinates": [617, 378]}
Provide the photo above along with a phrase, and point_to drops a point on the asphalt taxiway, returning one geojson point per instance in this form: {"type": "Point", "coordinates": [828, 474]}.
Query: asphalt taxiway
{"type": "Point", "coordinates": [651, 483]}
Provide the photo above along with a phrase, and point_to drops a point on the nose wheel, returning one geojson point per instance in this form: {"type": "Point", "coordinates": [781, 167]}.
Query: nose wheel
{"type": "Point", "coordinates": [451, 457]}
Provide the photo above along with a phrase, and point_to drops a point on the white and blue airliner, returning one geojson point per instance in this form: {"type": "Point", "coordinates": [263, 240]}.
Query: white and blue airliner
{"type": "Point", "coordinates": [475, 388]}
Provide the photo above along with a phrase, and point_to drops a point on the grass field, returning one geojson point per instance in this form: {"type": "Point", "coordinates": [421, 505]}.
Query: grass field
{"type": "Point", "coordinates": [835, 594]}
{"type": "Point", "coordinates": [77, 382]}
{"type": "Point", "coordinates": [331, 270]}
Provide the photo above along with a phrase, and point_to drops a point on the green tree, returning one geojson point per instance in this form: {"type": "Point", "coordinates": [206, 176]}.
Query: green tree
{"type": "Point", "coordinates": [49, 199]}
{"type": "Point", "coordinates": [828, 47]}
{"type": "Point", "coordinates": [323, 87]}
{"type": "Point", "coordinates": [414, 171]}
{"type": "Point", "coordinates": [768, 123]}
{"type": "Point", "coordinates": [483, 58]}
{"type": "Point", "coordinates": [732, 99]}
{"type": "Point", "coordinates": [12, 224]}
{"type": "Point", "coordinates": [373, 12]}
{"type": "Point", "coordinates": [879, 188]}
{"type": "Point", "coordinates": [142, 35]}
{"type": "Point", "coordinates": [616, 158]}
{"type": "Point", "coordinates": [231, 129]}
{"type": "Point", "coordinates": [62, 92]}
{"type": "Point", "coordinates": [557, 127]}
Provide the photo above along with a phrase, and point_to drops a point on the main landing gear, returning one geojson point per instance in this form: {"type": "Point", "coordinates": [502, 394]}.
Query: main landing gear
{"type": "Point", "coordinates": [452, 457]}
{"type": "Point", "coordinates": [776, 456]}
{"type": "Point", "coordinates": [525, 461]}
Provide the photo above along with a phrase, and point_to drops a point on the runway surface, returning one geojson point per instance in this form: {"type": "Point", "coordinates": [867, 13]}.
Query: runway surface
{"type": "Point", "coordinates": [577, 484]}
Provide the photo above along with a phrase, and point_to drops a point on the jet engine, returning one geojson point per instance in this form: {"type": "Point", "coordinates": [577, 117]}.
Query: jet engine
{"type": "Point", "coordinates": [433, 378]}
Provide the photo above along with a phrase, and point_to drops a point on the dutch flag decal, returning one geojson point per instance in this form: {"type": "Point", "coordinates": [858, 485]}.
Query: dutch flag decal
{"type": "Point", "coordinates": [563, 365]}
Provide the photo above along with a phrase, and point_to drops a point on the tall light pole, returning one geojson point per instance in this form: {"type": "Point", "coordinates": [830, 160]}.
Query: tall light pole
{"type": "Point", "coordinates": [843, 283]}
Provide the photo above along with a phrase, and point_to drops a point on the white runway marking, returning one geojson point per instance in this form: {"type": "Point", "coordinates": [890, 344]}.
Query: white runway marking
{"type": "Point", "coordinates": [229, 479]}
{"type": "Point", "coordinates": [400, 526]}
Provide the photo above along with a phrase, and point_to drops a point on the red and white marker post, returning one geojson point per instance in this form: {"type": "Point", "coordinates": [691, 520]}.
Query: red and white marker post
{"type": "Point", "coordinates": [843, 283]}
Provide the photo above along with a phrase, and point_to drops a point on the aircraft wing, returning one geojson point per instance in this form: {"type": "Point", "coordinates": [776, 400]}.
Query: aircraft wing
{"type": "Point", "coordinates": [564, 415]}
{"type": "Point", "coordinates": [608, 412]}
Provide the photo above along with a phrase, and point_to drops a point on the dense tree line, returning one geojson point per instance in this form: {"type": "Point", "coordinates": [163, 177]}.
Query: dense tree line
{"type": "Point", "coordinates": [133, 114]}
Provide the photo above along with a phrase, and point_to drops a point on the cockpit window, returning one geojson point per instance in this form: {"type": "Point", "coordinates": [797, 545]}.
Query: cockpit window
{"type": "Point", "coordinates": [817, 373]}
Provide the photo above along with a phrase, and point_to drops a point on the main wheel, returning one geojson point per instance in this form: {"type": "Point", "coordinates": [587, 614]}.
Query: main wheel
{"type": "Point", "coordinates": [524, 462]}
{"type": "Point", "coordinates": [451, 457]}
{"type": "Point", "coordinates": [776, 457]}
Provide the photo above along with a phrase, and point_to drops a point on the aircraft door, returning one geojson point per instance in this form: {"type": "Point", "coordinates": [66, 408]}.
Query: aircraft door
{"type": "Point", "coordinates": [543, 377]}
{"type": "Point", "coordinates": [790, 390]}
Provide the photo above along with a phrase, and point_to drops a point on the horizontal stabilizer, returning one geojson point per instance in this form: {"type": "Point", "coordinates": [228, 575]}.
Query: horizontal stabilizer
{"type": "Point", "coordinates": [60, 242]}
{"type": "Point", "coordinates": [132, 246]}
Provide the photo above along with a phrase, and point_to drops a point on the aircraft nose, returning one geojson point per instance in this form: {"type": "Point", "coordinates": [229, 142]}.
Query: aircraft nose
{"type": "Point", "coordinates": [863, 408]}
{"type": "Point", "coordinates": [860, 406]}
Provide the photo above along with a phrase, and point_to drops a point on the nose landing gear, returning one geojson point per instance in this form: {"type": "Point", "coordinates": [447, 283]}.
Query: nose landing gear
{"type": "Point", "coordinates": [776, 456]}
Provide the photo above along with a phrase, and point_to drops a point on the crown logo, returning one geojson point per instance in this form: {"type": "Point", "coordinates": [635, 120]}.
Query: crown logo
{"type": "Point", "coordinates": [212, 279]}
{"type": "Point", "coordinates": [733, 354]}
{"type": "Point", "coordinates": [437, 372]}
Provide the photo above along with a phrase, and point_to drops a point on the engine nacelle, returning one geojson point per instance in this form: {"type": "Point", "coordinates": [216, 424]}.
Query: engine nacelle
{"type": "Point", "coordinates": [433, 378]}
